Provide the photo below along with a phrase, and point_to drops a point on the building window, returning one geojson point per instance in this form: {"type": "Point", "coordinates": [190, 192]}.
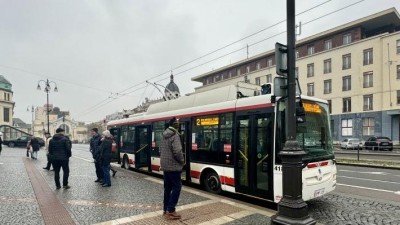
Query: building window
{"type": "Point", "coordinates": [296, 72]}
{"type": "Point", "coordinates": [398, 46]}
{"type": "Point", "coordinates": [368, 102]}
{"type": "Point", "coordinates": [347, 39]}
{"type": "Point", "coordinates": [310, 70]}
{"type": "Point", "coordinates": [347, 105]}
{"type": "Point", "coordinates": [5, 96]}
{"type": "Point", "coordinates": [398, 71]}
{"type": "Point", "coordinates": [297, 54]}
{"type": "Point", "coordinates": [269, 63]}
{"type": "Point", "coordinates": [368, 56]}
{"type": "Point", "coordinates": [229, 74]}
{"type": "Point", "coordinates": [310, 49]}
{"type": "Point", "coordinates": [6, 114]}
{"type": "Point", "coordinates": [368, 126]}
{"type": "Point", "coordinates": [330, 106]}
{"type": "Point", "coordinates": [247, 69]}
{"type": "Point", "coordinates": [346, 60]}
{"type": "Point", "coordinates": [238, 72]}
{"type": "Point", "coordinates": [269, 78]}
{"type": "Point", "coordinates": [347, 127]}
{"type": "Point", "coordinates": [258, 65]}
{"type": "Point", "coordinates": [246, 79]}
{"type": "Point", "coordinates": [258, 81]}
{"type": "Point", "coordinates": [398, 97]}
{"type": "Point", "coordinates": [328, 44]}
{"type": "Point", "coordinates": [346, 83]}
{"type": "Point", "coordinates": [327, 86]}
{"type": "Point", "coordinates": [368, 80]}
{"type": "Point", "coordinates": [327, 66]}
{"type": "Point", "coordinates": [310, 89]}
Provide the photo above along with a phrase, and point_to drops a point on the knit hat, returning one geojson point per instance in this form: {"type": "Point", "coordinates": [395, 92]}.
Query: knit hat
{"type": "Point", "coordinates": [173, 121]}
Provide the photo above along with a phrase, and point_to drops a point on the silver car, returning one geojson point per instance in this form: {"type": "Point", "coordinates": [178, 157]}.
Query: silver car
{"type": "Point", "coordinates": [351, 143]}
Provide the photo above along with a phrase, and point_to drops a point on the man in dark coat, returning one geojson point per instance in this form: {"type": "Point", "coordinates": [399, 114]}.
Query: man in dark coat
{"type": "Point", "coordinates": [95, 142]}
{"type": "Point", "coordinates": [172, 161]}
{"type": "Point", "coordinates": [60, 152]}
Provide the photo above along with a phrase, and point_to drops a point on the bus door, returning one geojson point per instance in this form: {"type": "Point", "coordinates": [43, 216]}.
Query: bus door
{"type": "Point", "coordinates": [116, 133]}
{"type": "Point", "coordinates": [186, 139]}
{"type": "Point", "coordinates": [254, 154]}
{"type": "Point", "coordinates": [142, 148]}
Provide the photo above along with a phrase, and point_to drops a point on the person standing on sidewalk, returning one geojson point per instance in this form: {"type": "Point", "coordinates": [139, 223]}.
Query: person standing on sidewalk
{"type": "Point", "coordinates": [172, 162]}
{"type": "Point", "coordinates": [105, 157]}
{"type": "Point", "coordinates": [60, 152]}
{"type": "Point", "coordinates": [46, 146]}
{"type": "Point", "coordinates": [34, 143]}
{"type": "Point", "coordinates": [95, 142]}
{"type": "Point", "coordinates": [1, 144]}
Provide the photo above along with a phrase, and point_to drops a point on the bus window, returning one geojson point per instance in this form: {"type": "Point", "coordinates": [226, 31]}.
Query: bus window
{"type": "Point", "coordinates": [212, 139]}
{"type": "Point", "coordinates": [158, 129]}
{"type": "Point", "coordinates": [128, 138]}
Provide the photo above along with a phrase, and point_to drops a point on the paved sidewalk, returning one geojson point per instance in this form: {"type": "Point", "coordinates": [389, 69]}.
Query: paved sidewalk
{"type": "Point", "coordinates": [28, 196]}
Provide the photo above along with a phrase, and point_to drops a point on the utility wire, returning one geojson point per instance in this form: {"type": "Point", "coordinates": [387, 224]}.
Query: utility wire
{"type": "Point", "coordinates": [122, 94]}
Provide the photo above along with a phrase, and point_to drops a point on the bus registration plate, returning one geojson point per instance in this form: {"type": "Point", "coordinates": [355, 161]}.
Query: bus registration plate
{"type": "Point", "coordinates": [319, 192]}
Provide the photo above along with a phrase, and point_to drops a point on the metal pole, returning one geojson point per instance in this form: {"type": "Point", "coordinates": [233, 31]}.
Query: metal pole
{"type": "Point", "coordinates": [291, 209]}
{"type": "Point", "coordinates": [33, 127]}
{"type": "Point", "coordinates": [47, 107]}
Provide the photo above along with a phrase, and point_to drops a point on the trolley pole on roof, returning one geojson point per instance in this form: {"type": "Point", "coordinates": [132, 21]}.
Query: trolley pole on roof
{"type": "Point", "coordinates": [291, 209]}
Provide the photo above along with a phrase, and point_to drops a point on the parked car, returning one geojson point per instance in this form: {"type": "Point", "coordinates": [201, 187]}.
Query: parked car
{"type": "Point", "coordinates": [378, 143]}
{"type": "Point", "coordinates": [351, 143]}
{"type": "Point", "coordinates": [21, 142]}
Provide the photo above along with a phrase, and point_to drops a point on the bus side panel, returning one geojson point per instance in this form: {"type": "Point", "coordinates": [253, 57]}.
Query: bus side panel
{"type": "Point", "coordinates": [225, 174]}
{"type": "Point", "coordinates": [155, 165]}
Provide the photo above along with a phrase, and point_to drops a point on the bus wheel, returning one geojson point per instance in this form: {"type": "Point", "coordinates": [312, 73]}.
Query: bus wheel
{"type": "Point", "coordinates": [212, 183]}
{"type": "Point", "coordinates": [125, 163]}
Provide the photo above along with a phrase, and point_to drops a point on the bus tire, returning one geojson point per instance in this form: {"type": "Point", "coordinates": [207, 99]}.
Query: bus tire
{"type": "Point", "coordinates": [212, 183]}
{"type": "Point", "coordinates": [125, 163]}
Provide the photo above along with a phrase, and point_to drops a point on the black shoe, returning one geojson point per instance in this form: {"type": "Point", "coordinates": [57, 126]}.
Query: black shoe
{"type": "Point", "coordinates": [106, 185]}
{"type": "Point", "coordinates": [66, 187]}
{"type": "Point", "coordinates": [114, 172]}
{"type": "Point", "coordinates": [45, 168]}
{"type": "Point", "coordinates": [58, 187]}
{"type": "Point", "coordinates": [98, 180]}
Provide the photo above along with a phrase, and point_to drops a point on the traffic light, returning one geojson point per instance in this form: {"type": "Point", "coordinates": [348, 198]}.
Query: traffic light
{"type": "Point", "coordinates": [281, 59]}
{"type": "Point", "coordinates": [266, 89]}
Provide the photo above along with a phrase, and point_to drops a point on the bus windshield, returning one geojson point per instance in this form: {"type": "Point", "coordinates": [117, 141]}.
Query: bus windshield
{"type": "Point", "coordinates": [313, 135]}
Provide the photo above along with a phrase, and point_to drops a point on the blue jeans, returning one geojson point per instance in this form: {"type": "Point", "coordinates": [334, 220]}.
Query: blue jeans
{"type": "Point", "coordinates": [106, 175]}
{"type": "Point", "coordinates": [172, 189]}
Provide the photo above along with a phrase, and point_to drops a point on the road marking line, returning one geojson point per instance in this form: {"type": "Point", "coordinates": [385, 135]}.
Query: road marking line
{"type": "Point", "coordinates": [374, 173]}
{"type": "Point", "coordinates": [397, 192]}
{"type": "Point", "coordinates": [373, 189]}
{"type": "Point", "coordinates": [84, 159]}
{"type": "Point", "coordinates": [358, 178]}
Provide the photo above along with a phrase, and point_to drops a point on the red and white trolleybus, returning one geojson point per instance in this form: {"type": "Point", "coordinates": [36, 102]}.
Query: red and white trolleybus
{"type": "Point", "coordinates": [231, 142]}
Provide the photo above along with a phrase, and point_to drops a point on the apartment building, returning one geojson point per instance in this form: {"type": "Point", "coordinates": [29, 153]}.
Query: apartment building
{"type": "Point", "coordinates": [355, 67]}
{"type": "Point", "coordinates": [6, 102]}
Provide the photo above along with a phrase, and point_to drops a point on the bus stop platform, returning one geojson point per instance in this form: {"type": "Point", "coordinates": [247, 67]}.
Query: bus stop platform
{"type": "Point", "coordinates": [28, 196]}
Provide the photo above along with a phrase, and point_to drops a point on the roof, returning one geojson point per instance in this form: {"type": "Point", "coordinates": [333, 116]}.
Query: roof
{"type": "Point", "coordinates": [172, 86]}
{"type": "Point", "coordinates": [368, 23]}
{"type": "Point", "coordinates": [4, 80]}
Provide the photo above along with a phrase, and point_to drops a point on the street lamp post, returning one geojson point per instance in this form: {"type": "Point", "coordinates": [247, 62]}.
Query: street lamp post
{"type": "Point", "coordinates": [47, 89]}
{"type": "Point", "coordinates": [32, 110]}
{"type": "Point", "coordinates": [291, 209]}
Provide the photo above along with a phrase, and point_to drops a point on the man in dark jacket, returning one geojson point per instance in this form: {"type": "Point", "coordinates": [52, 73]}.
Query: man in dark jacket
{"type": "Point", "coordinates": [172, 161]}
{"type": "Point", "coordinates": [60, 152]}
{"type": "Point", "coordinates": [95, 142]}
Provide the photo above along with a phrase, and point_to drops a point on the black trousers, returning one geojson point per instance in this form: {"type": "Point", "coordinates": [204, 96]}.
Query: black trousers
{"type": "Point", "coordinates": [99, 170]}
{"type": "Point", "coordinates": [57, 165]}
{"type": "Point", "coordinates": [48, 162]}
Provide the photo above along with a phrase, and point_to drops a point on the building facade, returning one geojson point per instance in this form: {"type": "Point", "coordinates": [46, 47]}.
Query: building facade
{"type": "Point", "coordinates": [355, 67]}
{"type": "Point", "coordinates": [6, 102]}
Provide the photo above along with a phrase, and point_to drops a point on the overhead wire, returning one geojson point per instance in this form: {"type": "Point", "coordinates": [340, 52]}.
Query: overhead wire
{"type": "Point", "coordinates": [122, 94]}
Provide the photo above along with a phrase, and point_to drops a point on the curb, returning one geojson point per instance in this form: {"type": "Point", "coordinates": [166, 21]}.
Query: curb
{"type": "Point", "coordinates": [366, 165]}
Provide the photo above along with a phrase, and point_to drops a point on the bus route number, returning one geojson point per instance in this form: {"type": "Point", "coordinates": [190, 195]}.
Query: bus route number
{"type": "Point", "coordinates": [278, 168]}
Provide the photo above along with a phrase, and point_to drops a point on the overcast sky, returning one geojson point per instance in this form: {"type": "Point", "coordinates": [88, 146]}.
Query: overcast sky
{"type": "Point", "coordinates": [92, 49]}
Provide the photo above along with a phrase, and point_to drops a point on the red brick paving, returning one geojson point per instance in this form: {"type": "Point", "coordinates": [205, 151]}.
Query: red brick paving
{"type": "Point", "coordinates": [53, 211]}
